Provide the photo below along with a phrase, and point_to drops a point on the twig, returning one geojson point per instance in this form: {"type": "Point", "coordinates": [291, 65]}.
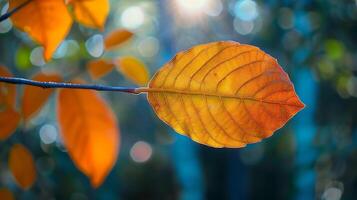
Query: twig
{"type": "Point", "coordinates": [11, 12]}
{"type": "Point", "coordinates": [22, 81]}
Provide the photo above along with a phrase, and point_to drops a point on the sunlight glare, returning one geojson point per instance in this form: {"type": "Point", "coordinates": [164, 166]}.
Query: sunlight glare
{"type": "Point", "coordinates": [133, 17]}
{"type": "Point", "coordinates": [191, 6]}
{"type": "Point", "coordinates": [213, 8]}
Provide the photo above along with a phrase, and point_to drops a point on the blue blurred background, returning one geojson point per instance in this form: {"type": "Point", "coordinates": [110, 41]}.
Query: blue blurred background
{"type": "Point", "coordinates": [313, 157]}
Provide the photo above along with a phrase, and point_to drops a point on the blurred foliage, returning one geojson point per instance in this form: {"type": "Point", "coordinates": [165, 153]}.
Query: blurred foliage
{"type": "Point", "coordinates": [317, 36]}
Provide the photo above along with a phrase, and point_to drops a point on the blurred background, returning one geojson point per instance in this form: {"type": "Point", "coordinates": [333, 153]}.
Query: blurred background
{"type": "Point", "coordinates": [313, 157]}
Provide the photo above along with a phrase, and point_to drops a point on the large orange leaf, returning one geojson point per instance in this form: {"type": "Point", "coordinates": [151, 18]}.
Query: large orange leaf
{"type": "Point", "coordinates": [7, 91]}
{"type": "Point", "coordinates": [22, 166]}
{"type": "Point", "coordinates": [133, 69]}
{"type": "Point", "coordinates": [91, 13]}
{"type": "Point", "coordinates": [223, 94]}
{"type": "Point", "coordinates": [34, 97]}
{"type": "Point", "coordinates": [117, 38]}
{"type": "Point", "coordinates": [89, 131]}
{"type": "Point", "coordinates": [6, 194]}
{"type": "Point", "coordinates": [99, 68]}
{"type": "Point", "coordinates": [46, 21]}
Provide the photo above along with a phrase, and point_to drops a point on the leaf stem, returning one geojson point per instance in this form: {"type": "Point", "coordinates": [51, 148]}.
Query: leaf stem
{"type": "Point", "coordinates": [45, 85]}
{"type": "Point", "coordinates": [11, 12]}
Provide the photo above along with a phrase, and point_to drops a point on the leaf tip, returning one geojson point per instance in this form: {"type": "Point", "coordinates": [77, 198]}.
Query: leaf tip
{"type": "Point", "coordinates": [47, 55]}
{"type": "Point", "coordinates": [96, 182]}
{"type": "Point", "coordinates": [299, 103]}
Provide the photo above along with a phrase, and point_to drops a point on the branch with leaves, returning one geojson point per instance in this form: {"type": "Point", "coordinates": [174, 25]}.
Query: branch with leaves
{"type": "Point", "coordinates": [14, 10]}
{"type": "Point", "coordinates": [92, 14]}
{"type": "Point", "coordinates": [221, 94]}
{"type": "Point", "coordinates": [193, 76]}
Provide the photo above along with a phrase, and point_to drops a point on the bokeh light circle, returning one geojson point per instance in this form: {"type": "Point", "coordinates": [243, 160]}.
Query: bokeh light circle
{"type": "Point", "coordinates": [246, 10]}
{"type": "Point", "coordinates": [141, 152]}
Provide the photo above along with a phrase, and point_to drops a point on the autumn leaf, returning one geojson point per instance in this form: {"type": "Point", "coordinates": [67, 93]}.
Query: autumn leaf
{"type": "Point", "coordinates": [6, 194]}
{"type": "Point", "coordinates": [99, 68]}
{"type": "Point", "coordinates": [133, 69]}
{"type": "Point", "coordinates": [7, 91]}
{"type": "Point", "coordinates": [116, 38]}
{"type": "Point", "coordinates": [223, 94]}
{"type": "Point", "coordinates": [91, 13]}
{"type": "Point", "coordinates": [9, 117]}
{"type": "Point", "coordinates": [47, 22]}
{"type": "Point", "coordinates": [22, 166]}
{"type": "Point", "coordinates": [89, 131]}
{"type": "Point", "coordinates": [34, 97]}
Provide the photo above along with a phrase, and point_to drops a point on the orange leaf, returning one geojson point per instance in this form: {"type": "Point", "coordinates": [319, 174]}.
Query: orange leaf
{"type": "Point", "coordinates": [9, 119]}
{"type": "Point", "coordinates": [99, 68]}
{"type": "Point", "coordinates": [223, 94]}
{"type": "Point", "coordinates": [91, 13]}
{"type": "Point", "coordinates": [34, 97]}
{"type": "Point", "coordinates": [116, 38]}
{"type": "Point", "coordinates": [133, 69]}
{"type": "Point", "coordinates": [89, 131]}
{"type": "Point", "coordinates": [6, 194]}
{"type": "Point", "coordinates": [47, 22]}
{"type": "Point", "coordinates": [7, 91]}
{"type": "Point", "coordinates": [22, 166]}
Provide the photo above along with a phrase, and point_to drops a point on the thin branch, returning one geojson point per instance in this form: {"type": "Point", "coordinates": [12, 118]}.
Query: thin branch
{"type": "Point", "coordinates": [11, 12]}
{"type": "Point", "coordinates": [22, 81]}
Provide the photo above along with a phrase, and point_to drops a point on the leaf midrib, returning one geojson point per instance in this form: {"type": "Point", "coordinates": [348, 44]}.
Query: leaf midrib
{"type": "Point", "coordinates": [203, 93]}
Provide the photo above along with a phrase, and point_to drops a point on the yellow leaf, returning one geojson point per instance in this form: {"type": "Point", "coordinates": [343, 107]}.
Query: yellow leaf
{"type": "Point", "coordinates": [6, 194]}
{"type": "Point", "coordinates": [89, 131]}
{"type": "Point", "coordinates": [223, 94]}
{"type": "Point", "coordinates": [34, 97]}
{"type": "Point", "coordinates": [99, 68]}
{"type": "Point", "coordinates": [116, 38]}
{"type": "Point", "coordinates": [22, 166]}
{"type": "Point", "coordinates": [7, 91]}
{"type": "Point", "coordinates": [46, 21]}
{"type": "Point", "coordinates": [91, 13]}
{"type": "Point", "coordinates": [133, 69]}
